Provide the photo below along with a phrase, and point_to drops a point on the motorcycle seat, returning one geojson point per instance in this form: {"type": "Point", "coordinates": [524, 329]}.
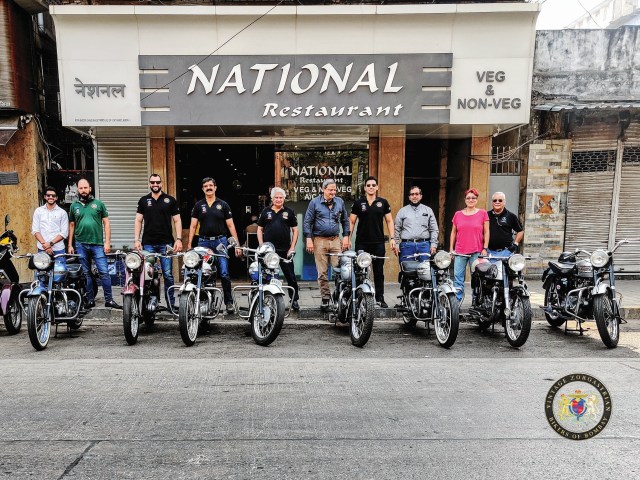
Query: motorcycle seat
{"type": "Point", "coordinates": [562, 268]}
{"type": "Point", "coordinates": [409, 266]}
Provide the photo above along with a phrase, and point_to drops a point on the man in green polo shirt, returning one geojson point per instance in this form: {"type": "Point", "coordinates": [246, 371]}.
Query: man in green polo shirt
{"type": "Point", "coordinates": [88, 220]}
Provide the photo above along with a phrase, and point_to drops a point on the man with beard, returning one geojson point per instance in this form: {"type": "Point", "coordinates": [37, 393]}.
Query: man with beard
{"type": "Point", "coordinates": [416, 229]}
{"type": "Point", "coordinates": [158, 211]}
{"type": "Point", "coordinates": [50, 226]}
{"type": "Point", "coordinates": [88, 220]}
{"type": "Point", "coordinates": [214, 217]}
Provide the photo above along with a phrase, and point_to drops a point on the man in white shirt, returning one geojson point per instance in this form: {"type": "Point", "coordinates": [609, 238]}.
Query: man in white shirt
{"type": "Point", "coordinates": [50, 226]}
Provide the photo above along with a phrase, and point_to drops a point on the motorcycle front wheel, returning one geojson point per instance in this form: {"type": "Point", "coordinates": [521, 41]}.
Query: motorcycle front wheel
{"type": "Point", "coordinates": [362, 323]}
{"type": "Point", "coordinates": [13, 316]}
{"type": "Point", "coordinates": [552, 319]}
{"type": "Point", "coordinates": [187, 318]}
{"type": "Point", "coordinates": [38, 323]}
{"type": "Point", "coordinates": [519, 325]}
{"type": "Point", "coordinates": [265, 328]}
{"type": "Point", "coordinates": [446, 326]}
{"type": "Point", "coordinates": [608, 326]}
{"type": "Point", "coordinates": [130, 318]}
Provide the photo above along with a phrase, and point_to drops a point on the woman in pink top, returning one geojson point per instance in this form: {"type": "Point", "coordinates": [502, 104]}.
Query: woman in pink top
{"type": "Point", "coordinates": [469, 236]}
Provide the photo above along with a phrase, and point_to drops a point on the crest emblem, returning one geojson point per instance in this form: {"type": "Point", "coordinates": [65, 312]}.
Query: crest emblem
{"type": "Point", "coordinates": [148, 202]}
{"type": "Point", "coordinates": [269, 215]}
{"type": "Point", "coordinates": [204, 209]}
{"type": "Point", "coordinates": [219, 207]}
{"type": "Point", "coordinates": [363, 206]}
{"type": "Point", "coordinates": [378, 204]}
{"type": "Point", "coordinates": [94, 206]}
{"type": "Point", "coordinates": [285, 215]}
{"type": "Point", "coordinates": [166, 200]}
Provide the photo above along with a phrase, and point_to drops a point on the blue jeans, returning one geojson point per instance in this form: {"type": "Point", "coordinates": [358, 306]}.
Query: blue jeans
{"type": "Point", "coordinates": [409, 248]}
{"type": "Point", "coordinates": [60, 264]}
{"type": "Point", "coordinates": [223, 266]}
{"type": "Point", "coordinates": [166, 265]}
{"type": "Point", "coordinates": [459, 268]}
{"type": "Point", "coordinates": [87, 252]}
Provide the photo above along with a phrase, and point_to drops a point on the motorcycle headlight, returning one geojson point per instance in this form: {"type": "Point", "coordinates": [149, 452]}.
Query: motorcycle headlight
{"type": "Point", "coordinates": [271, 260]}
{"type": "Point", "coordinates": [41, 260]}
{"type": "Point", "coordinates": [191, 259]}
{"type": "Point", "coordinates": [266, 247]}
{"type": "Point", "coordinates": [132, 261]}
{"type": "Point", "coordinates": [516, 262]}
{"type": "Point", "coordinates": [364, 260]}
{"type": "Point", "coordinates": [442, 260]}
{"type": "Point", "coordinates": [599, 258]}
{"type": "Point", "coordinates": [424, 271]}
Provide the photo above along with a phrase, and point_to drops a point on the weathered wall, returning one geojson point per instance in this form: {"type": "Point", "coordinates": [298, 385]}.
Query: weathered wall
{"type": "Point", "coordinates": [588, 65]}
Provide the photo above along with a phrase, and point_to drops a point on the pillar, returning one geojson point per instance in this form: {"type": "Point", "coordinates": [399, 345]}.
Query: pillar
{"type": "Point", "coordinates": [480, 168]}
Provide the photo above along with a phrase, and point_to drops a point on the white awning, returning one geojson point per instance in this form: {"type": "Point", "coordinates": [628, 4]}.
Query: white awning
{"type": "Point", "coordinates": [8, 127]}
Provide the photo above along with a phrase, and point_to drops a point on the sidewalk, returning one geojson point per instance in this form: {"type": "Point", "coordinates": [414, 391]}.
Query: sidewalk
{"type": "Point", "coordinates": [310, 301]}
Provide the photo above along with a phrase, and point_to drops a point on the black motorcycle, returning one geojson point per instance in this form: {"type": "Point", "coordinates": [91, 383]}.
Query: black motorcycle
{"type": "Point", "coordinates": [500, 295]}
{"type": "Point", "coordinates": [10, 307]}
{"type": "Point", "coordinates": [584, 288]}
{"type": "Point", "coordinates": [428, 296]}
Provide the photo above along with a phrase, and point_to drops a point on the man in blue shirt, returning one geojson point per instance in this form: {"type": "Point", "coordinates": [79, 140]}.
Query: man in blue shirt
{"type": "Point", "coordinates": [321, 229]}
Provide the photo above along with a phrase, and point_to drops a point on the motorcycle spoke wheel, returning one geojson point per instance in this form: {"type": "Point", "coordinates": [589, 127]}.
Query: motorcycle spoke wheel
{"type": "Point", "coordinates": [265, 328]}
{"type": "Point", "coordinates": [362, 323]}
{"type": "Point", "coordinates": [448, 321]}
{"type": "Point", "coordinates": [38, 322]}
{"type": "Point", "coordinates": [519, 325]}
{"type": "Point", "coordinates": [606, 321]}
{"type": "Point", "coordinates": [13, 317]}
{"type": "Point", "coordinates": [188, 319]}
{"type": "Point", "coordinates": [130, 319]}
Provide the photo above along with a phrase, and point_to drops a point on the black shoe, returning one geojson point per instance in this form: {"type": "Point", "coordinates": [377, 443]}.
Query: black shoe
{"type": "Point", "coordinates": [113, 304]}
{"type": "Point", "coordinates": [295, 306]}
{"type": "Point", "coordinates": [90, 304]}
{"type": "Point", "coordinates": [383, 304]}
{"type": "Point", "coordinates": [230, 308]}
{"type": "Point", "coordinates": [324, 306]}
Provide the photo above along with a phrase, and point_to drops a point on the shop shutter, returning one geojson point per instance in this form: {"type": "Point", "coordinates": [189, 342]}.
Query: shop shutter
{"type": "Point", "coordinates": [595, 137]}
{"type": "Point", "coordinates": [628, 225]}
{"type": "Point", "coordinates": [121, 177]}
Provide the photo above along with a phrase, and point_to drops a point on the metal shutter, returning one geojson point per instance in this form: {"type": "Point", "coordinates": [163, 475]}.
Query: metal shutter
{"type": "Point", "coordinates": [628, 226]}
{"type": "Point", "coordinates": [121, 179]}
{"type": "Point", "coordinates": [598, 136]}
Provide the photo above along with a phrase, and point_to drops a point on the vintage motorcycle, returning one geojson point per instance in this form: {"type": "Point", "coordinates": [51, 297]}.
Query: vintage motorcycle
{"type": "Point", "coordinates": [200, 299]}
{"type": "Point", "coordinates": [141, 291]}
{"type": "Point", "coordinates": [10, 307]}
{"type": "Point", "coordinates": [500, 294]}
{"type": "Point", "coordinates": [353, 298]}
{"type": "Point", "coordinates": [266, 304]}
{"type": "Point", "coordinates": [581, 289]}
{"type": "Point", "coordinates": [428, 295]}
{"type": "Point", "coordinates": [63, 299]}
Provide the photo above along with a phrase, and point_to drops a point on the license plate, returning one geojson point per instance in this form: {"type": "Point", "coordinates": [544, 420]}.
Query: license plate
{"type": "Point", "coordinates": [276, 282]}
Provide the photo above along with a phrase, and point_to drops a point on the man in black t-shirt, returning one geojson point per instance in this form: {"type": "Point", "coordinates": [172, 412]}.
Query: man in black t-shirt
{"type": "Point", "coordinates": [370, 211]}
{"type": "Point", "coordinates": [278, 224]}
{"type": "Point", "coordinates": [158, 211]}
{"type": "Point", "coordinates": [214, 217]}
{"type": "Point", "coordinates": [502, 226]}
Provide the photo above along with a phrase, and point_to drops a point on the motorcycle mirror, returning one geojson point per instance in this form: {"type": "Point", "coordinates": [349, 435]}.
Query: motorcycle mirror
{"type": "Point", "coordinates": [169, 250]}
{"type": "Point", "coordinates": [7, 219]}
{"type": "Point", "coordinates": [220, 248]}
{"type": "Point", "coordinates": [232, 242]}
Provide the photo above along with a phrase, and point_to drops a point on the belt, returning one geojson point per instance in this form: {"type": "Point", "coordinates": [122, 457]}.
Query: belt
{"type": "Point", "coordinates": [497, 249]}
{"type": "Point", "coordinates": [415, 240]}
{"type": "Point", "coordinates": [326, 238]}
{"type": "Point", "coordinates": [212, 238]}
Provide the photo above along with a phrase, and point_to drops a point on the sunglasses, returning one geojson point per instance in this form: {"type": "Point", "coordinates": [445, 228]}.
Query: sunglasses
{"type": "Point", "coordinates": [52, 195]}
{"type": "Point", "coordinates": [155, 182]}
{"type": "Point", "coordinates": [498, 200]}
{"type": "Point", "coordinates": [371, 185]}
{"type": "Point", "coordinates": [471, 198]}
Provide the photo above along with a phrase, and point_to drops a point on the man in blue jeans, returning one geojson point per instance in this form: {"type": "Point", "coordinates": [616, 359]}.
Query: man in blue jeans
{"type": "Point", "coordinates": [214, 217]}
{"type": "Point", "coordinates": [416, 228]}
{"type": "Point", "coordinates": [158, 211]}
{"type": "Point", "coordinates": [88, 220]}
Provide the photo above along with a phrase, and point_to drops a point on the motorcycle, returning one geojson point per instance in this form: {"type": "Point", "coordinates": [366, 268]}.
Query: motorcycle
{"type": "Point", "coordinates": [62, 300]}
{"type": "Point", "coordinates": [501, 295]}
{"type": "Point", "coordinates": [353, 298]}
{"type": "Point", "coordinates": [266, 304]}
{"type": "Point", "coordinates": [581, 289]}
{"type": "Point", "coordinates": [10, 307]}
{"type": "Point", "coordinates": [428, 295]}
{"type": "Point", "coordinates": [200, 299]}
{"type": "Point", "coordinates": [141, 291]}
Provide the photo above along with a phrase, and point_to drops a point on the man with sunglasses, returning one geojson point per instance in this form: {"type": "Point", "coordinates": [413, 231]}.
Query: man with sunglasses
{"type": "Point", "coordinates": [502, 226]}
{"type": "Point", "coordinates": [370, 211]}
{"type": "Point", "coordinates": [159, 211]}
{"type": "Point", "coordinates": [50, 226]}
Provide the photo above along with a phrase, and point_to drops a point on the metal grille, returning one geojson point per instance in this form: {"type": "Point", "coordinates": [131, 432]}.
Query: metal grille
{"type": "Point", "coordinates": [631, 156]}
{"type": "Point", "coordinates": [594, 161]}
{"type": "Point", "coordinates": [505, 161]}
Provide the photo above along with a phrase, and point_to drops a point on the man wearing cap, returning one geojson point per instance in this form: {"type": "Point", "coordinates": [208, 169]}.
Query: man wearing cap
{"type": "Point", "coordinates": [214, 217]}
{"type": "Point", "coordinates": [503, 224]}
{"type": "Point", "coordinates": [321, 228]}
{"type": "Point", "coordinates": [278, 224]}
{"type": "Point", "coordinates": [416, 229]}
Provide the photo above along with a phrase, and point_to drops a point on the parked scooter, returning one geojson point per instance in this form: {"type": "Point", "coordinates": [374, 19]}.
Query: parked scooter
{"type": "Point", "coordinates": [581, 289]}
{"type": "Point", "coordinates": [353, 298]}
{"type": "Point", "coordinates": [428, 295]}
{"type": "Point", "coordinates": [500, 295]}
{"type": "Point", "coordinates": [200, 299]}
{"type": "Point", "coordinates": [266, 305]}
{"type": "Point", "coordinates": [10, 307]}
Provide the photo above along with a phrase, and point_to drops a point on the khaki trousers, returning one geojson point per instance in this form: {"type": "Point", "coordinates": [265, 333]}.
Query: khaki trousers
{"type": "Point", "coordinates": [322, 246]}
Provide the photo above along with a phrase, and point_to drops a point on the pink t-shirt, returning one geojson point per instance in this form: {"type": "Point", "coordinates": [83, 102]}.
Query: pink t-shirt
{"type": "Point", "coordinates": [470, 231]}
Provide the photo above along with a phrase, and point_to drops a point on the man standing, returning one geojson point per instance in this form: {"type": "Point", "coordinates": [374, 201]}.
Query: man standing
{"type": "Point", "coordinates": [214, 217]}
{"type": "Point", "coordinates": [50, 226]}
{"type": "Point", "coordinates": [370, 211]}
{"type": "Point", "coordinates": [88, 220]}
{"type": "Point", "coordinates": [159, 211]}
{"type": "Point", "coordinates": [502, 226]}
{"type": "Point", "coordinates": [321, 229]}
{"type": "Point", "coordinates": [278, 224]}
{"type": "Point", "coordinates": [416, 229]}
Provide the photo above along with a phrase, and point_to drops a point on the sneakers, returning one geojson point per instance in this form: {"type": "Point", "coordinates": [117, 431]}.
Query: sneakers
{"type": "Point", "coordinates": [112, 304]}
{"type": "Point", "coordinates": [230, 308]}
{"type": "Point", "coordinates": [295, 306]}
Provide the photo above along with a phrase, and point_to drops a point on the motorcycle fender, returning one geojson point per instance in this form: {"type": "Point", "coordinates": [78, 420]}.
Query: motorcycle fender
{"type": "Point", "coordinates": [130, 289]}
{"type": "Point", "coordinates": [5, 296]}
{"type": "Point", "coordinates": [273, 289]}
{"type": "Point", "coordinates": [365, 288]}
{"type": "Point", "coordinates": [522, 292]}
{"type": "Point", "coordinates": [547, 280]}
{"type": "Point", "coordinates": [188, 287]}
{"type": "Point", "coordinates": [600, 289]}
{"type": "Point", "coordinates": [545, 274]}
{"type": "Point", "coordinates": [446, 288]}
{"type": "Point", "coordinates": [36, 292]}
